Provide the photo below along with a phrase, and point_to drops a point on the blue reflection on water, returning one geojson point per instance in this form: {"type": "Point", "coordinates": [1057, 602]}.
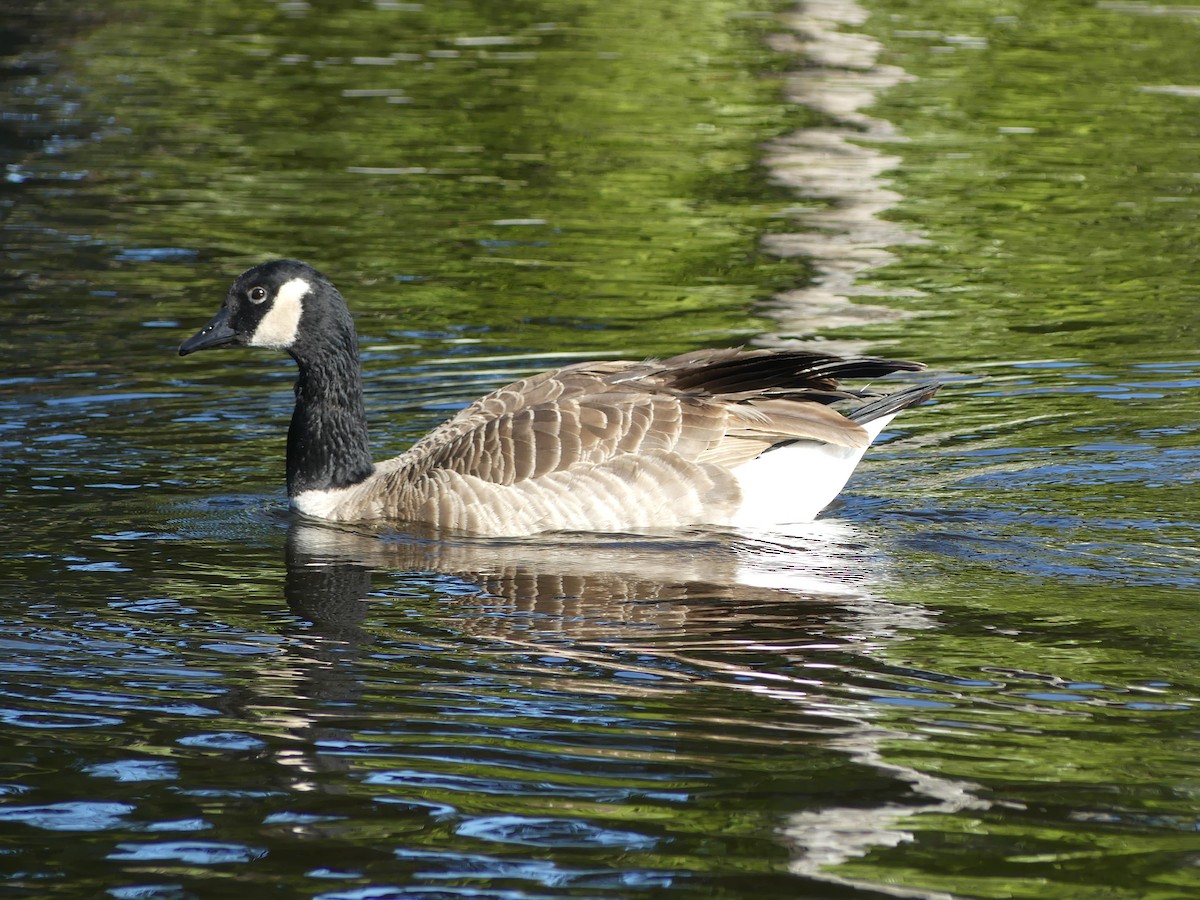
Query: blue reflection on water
{"type": "Point", "coordinates": [76, 815]}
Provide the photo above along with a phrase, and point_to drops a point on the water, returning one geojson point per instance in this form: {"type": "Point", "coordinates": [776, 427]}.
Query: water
{"type": "Point", "coordinates": [973, 679]}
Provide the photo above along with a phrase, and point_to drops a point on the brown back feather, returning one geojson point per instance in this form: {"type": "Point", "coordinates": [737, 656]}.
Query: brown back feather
{"type": "Point", "coordinates": [709, 406]}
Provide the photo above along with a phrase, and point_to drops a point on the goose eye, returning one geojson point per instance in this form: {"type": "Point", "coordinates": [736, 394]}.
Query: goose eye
{"type": "Point", "coordinates": [257, 294]}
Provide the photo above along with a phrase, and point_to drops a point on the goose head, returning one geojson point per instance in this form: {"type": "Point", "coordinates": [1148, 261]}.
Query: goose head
{"type": "Point", "coordinates": [281, 305]}
{"type": "Point", "coordinates": [288, 305]}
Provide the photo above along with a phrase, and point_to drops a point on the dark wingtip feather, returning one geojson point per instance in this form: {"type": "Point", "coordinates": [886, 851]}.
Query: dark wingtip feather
{"type": "Point", "coordinates": [894, 402]}
{"type": "Point", "coordinates": [734, 371]}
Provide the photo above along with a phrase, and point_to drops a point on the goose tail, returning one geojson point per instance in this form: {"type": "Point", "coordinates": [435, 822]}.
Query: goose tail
{"type": "Point", "coordinates": [890, 404]}
{"type": "Point", "coordinates": [793, 481]}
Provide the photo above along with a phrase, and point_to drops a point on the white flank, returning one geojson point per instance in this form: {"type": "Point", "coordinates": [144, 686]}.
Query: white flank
{"type": "Point", "coordinates": [794, 483]}
{"type": "Point", "coordinates": [278, 328]}
{"type": "Point", "coordinates": [321, 504]}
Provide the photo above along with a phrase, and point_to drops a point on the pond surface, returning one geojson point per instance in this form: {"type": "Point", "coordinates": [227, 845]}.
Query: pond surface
{"type": "Point", "coordinates": [975, 677]}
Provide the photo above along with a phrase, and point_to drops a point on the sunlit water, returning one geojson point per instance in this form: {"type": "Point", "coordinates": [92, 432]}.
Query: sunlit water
{"type": "Point", "coordinates": [973, 678]}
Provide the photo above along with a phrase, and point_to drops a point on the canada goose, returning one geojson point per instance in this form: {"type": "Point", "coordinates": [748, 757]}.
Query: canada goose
{"type": "Point", "coordinates": [743, 438]}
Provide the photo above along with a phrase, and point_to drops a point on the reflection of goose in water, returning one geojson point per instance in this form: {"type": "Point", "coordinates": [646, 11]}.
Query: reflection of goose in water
{"type": "Point", "coordinates": [598, 586]}
{"type": "Point", "coordinates": [710, 610]}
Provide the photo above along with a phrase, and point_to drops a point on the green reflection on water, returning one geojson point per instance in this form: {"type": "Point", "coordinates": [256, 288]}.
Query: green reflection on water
{"type": "Point", "coordinates": [532, 168]}
{"type": "Point", "coordinates": [1051, 162]}
{"type": "Point", "coordinates": [1055, 179]}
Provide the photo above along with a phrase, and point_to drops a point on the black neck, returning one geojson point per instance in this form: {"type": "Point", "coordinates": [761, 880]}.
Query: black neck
{"type": "Point", "coordinates": [327, 440]}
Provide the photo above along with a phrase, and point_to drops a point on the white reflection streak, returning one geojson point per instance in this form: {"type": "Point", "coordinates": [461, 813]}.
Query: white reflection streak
{"type": "Point", "coordinates": [824, 839]}
{"type": "Point", "coordinates": [831, 163]}
{"type": "Point", "coordinates": [843, 242]}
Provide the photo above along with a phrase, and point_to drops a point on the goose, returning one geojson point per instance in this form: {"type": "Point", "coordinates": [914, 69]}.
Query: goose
{"type": "Point", "coordinates": [742, 438]}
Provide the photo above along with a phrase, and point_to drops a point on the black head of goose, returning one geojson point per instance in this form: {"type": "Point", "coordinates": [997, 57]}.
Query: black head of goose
{"type": "Point", "coordinates": [743, 438]}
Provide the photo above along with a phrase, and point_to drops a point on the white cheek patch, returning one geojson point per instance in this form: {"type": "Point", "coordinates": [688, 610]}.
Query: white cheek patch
{"type": "Point", "coordinates": [278, 328]}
